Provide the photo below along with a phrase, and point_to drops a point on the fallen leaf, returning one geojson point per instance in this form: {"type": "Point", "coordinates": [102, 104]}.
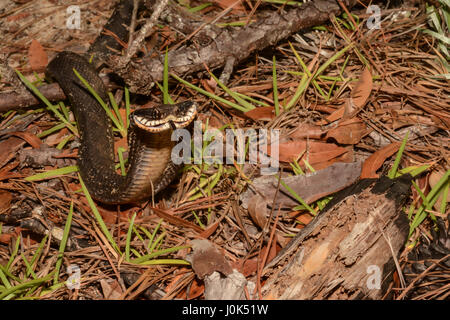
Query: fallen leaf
{"type": "Point", "coordinates": [29, 137]}
{"type": "Point", "coordinates": [9, 148]}
{"type": "Point", "coordinates": [357, 100]}
{"type": "Point", "coordinates": [360, 93]}
{"type": "Point", "coordinates": [111, 289]}
{"type": "Point", "coordinates": [5, 238]}
{"type": "Point", "coordinates": [37, 56]}
{"type": "Point", "coordinates": [308, 131]}
{"type": "Point", "coordinates": [197, 289]}
{"type": "Point", "coordinates": [5, 201]}
{"type": "Point", "coordinates": [210, 230]}
{"type": "Point", "coordinates": [348, 132]}
{"type": "Point", "coordinates": [376, 160]}
{"type": "Point", "coordinates": [309, 187]}
{"type": "Point", "coordinates": [313, 151]}
{"type": "Point", "coordinates": [206, 258]}
{"type": "Point", "coordinates": [261, 113]}
{"type": "Point", "coordinates": [257, 208]}
{"type": "Point", "coordinates": [5, 172]}
{"type": "Point", "coordinates": [228, 3]}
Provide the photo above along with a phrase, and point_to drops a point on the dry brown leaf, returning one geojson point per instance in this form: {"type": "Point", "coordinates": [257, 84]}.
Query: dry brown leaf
{"type": "Point", "coordinates": [29, 137]}
{"type": "Point", "coordinates": [111, 289]}
{"type": "Point", "coordinates": [210, 230]}
{"type": "Point", "coordinates": [5, 201]}
{"type": "Point", "coordinates": [238, 8]}
{"type": "Point", "coordinates": [5, 238]}
{"type": "Point", "coordinates": [197, 289]}
{"type": "Point", "coordinates": [257, 208]}
{"type": "Point", "coordinates": [206, 259]}
{"type": "Point", "coordinates": [37, 56]}
{"type": "Point", "coordinates": [310, 187]}
{"type": "Point", "coordinates": [360, 93]}
{"type": "Point", "coordinates": [306, 130]}
{"type": "Point", "coordinates": [348, 132]}
{"type": "Point", "coordinates": [261, 113]}
{"type": "Point", "coordinates": [313, 151]}
{"type": "Point", "coordinates": [376, 160]}
{"type": "Point", "coordinates": [5, 172]}
{"type": "Point", "coordinates": [9, 148]}
{"type": "Point", "coordinates": [336, 115]}
{"type": "Point", "coordinates": [358, 99]}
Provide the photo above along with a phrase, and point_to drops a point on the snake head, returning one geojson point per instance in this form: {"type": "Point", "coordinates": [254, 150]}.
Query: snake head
{"type": "Point", "coordinates": [165, 116]}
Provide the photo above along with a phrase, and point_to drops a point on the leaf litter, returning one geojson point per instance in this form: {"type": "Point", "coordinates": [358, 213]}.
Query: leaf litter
{"type": "Point", "coordinates": [356, 106]}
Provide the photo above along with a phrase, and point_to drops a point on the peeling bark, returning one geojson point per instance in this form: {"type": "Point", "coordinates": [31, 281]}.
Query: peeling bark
{"type": "Point", "coordinates": [349, 247]}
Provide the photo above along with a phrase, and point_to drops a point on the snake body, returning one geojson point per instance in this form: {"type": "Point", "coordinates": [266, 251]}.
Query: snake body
{"type": "Point", "coordinates": [149, 136]}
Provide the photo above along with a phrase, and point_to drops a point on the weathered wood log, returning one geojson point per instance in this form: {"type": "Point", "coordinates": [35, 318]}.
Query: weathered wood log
{"type": "Point", "coordinates": [349, 250]}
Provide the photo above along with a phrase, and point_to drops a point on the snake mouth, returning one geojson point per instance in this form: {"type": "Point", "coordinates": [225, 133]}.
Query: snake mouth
{"type": "Point", "coordinates": [165, 117]}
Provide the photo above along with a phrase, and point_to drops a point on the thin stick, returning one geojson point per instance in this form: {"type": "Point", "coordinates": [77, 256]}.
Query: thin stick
{"type": "Point", "coordinates": [137, 43]}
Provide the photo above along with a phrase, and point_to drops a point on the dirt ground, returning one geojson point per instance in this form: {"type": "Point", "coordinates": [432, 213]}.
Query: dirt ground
{"type": "Point", "coordinates": [341, 95]}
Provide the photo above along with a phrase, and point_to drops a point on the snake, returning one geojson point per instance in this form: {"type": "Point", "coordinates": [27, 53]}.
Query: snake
{"type": "Point", "coordinates": [150, 169]}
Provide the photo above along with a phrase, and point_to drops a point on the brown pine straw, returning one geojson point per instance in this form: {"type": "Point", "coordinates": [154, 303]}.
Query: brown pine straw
{"type": "Point", "coordinates": [423, 274]}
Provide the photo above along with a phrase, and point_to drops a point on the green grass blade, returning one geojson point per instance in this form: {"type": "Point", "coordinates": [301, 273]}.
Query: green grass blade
{"type": "Point", "coordinates": [393, 171]}
{"type": "Point", "coordinates": [298, 198]}
{"type": "Point", "coordinates": [51, 130]}
{"type": "Point", "coordinates": [233, 94]}
{"type": "Point", "coordinates": [100, 100]}
{"type": "Point", "coordinates": [14, 253]}
{"type": "Point", "coordinates": [157, 240]}
{"type": "Point", "coordinates": [327, 63]}
{"type": "Point", "coordinates": [431, 199]}
{"type": "Point", "coordinates": [165, 89]}
{"type": "Point", "coordinates": [39, 250]}
{"type": "Point", "coordinates": [47, 103]}
{"type": "Point", "coordinates": [200, 7]}
{"type": "Point", "coordinates": [25, 285]}
{"type": "Point", "coordinates": [116, 111]}
{"type": "Point", "coordinates": [152, 236]}
{"type": "Point", "coordinates": [444, 198]}
{"type": "Point", "coordinates": [300, 89]}
{"type": "Point", "coordinates": [148, 257]}
{"type": "Point", "coordinates": [64, 110]}
{"type": "Point", "coordinates": [120, 152]}
{"type": "Point", "coordinates": [438, 36]}
{"type": "Point", "coordinates": [98, 217]}
{"type": "Point", "coordinates": [210, 95]}
{"type": "Point", "coordinates": [127, 106]}
{"type": "Point", "coordinates": [169, 98]}
{"type": "Point", "coordinates": [64, 141]}
{"type": "Point", "coordinates": [28, 266]}
{"type": "Point", "coordinates": [128, 240]}
{"type": "Point", "coordinates": [4, 279]}
{"type": "Point", "coordinates": [63, 243]}
{"type": "Point", "coordinates": [155, 262]}
{"type": "Point", "coordinates": [52, 173]}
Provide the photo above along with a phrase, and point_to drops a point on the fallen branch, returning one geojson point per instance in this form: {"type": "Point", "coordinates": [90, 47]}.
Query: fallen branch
{"type": "Point", "coordinates": [211, 46]}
